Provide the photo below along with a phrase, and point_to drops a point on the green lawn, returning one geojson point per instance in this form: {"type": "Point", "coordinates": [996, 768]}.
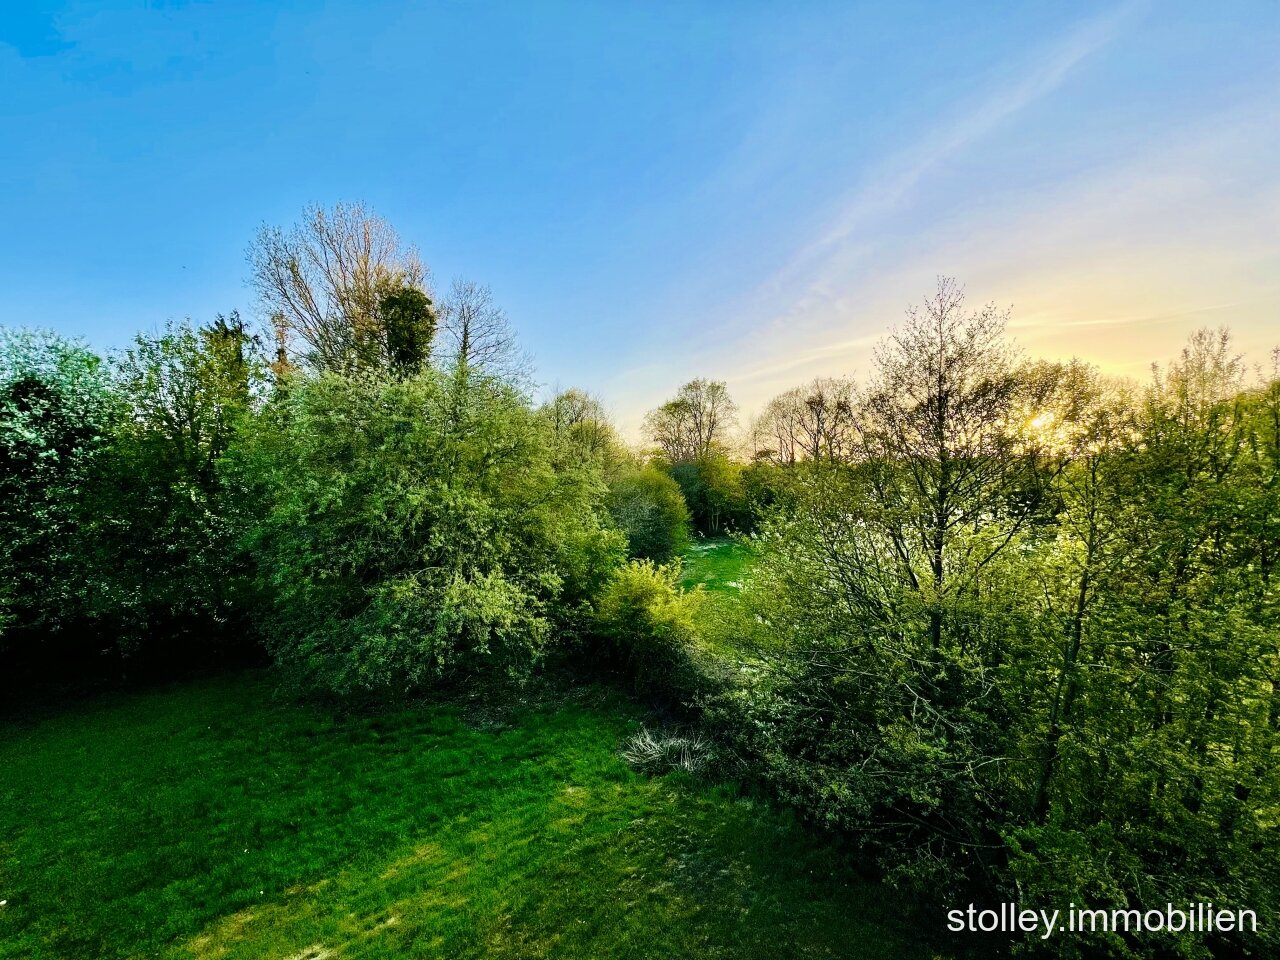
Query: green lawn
{"type": "Point", "coordinates": [719, 564]}
{"type": "Point", "coordinates": [217, 819]}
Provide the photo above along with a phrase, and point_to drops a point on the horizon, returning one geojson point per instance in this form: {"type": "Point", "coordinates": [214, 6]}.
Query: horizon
{"type": "Point", "coordinates": [661, 193]}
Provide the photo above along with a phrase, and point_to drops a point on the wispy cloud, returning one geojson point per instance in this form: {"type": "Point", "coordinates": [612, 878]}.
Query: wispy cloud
{"type": "Point", "coordinates": [1112, 261]}
{"type": "Point", "coordinates": [894, 181]}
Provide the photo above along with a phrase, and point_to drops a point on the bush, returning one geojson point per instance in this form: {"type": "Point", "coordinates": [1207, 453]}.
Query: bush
{"type": "Point", "coordinates": [648, 620]}
{"type": "Point", "coordinates": [159, 526]}
{"type": "Point", "coordinates": [55, 410]}
{"type": "Point", "coordinates": [648, 507]}
{"type": "Point", "coordinates": [417, 530]}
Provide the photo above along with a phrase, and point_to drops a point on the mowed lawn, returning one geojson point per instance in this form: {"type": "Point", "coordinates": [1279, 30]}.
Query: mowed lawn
{"type": "Point", "coordinates": [218, 819]}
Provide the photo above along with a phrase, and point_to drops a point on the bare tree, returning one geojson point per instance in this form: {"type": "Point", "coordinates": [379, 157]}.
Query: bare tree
{"type": "Point", "coordinates": [476, 334]}
{"type": "Point", "coordinates": [773, 431]}
{"type": "Point", "coordinates": [699, 416]}
{"type": "Point", "coordinates": [324, 282]}
{"type": "Point", "coordinates": [811, 422]}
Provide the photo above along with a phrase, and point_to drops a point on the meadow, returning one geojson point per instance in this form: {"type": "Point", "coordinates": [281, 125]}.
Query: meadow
{"type": "Point", "coordinates": [717, 564]}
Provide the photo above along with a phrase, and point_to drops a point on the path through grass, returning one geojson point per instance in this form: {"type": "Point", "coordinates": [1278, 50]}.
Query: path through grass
{"type": "Point", "coordinates": [217, 820]}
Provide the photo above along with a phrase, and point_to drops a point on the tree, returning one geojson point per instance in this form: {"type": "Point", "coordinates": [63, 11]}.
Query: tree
{"type": "Point", "coordinates": [159, 531]}
{"type": "Point", "coordinates": [878, 587]}
{"type": "Point", "coordinates": [1146, 681]}
{"type": "Point", "coordinates": [693, 422]}
{"type": "Point", "coordinates": [56, 407]}
{"type": "Point", "coordinates": [580, 418]}
{"type": "Point", "coordinates": [1030, 606]}
{"type": "Point", "coordinates": [418, 529]}
{"type": "Point", "coordinates": [186, 388]}
{"type": "Point", "coordinates": [344, 290]}
{"type": "Point", "coordinates": [712, 488]}
{"type": "Point", "coordinates": [477, 336]}
{"type": "Point", "coordinates": [410, 324]}
{"type": "Point", "coordinates": [809, 422]}
{"type": "Point", "coordinates": [648, 507]}
{"type": "Point", "coordinates": [938, 435]}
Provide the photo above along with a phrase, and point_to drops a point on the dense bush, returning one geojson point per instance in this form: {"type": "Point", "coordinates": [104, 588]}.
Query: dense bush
{"type": "Point", "coordinates": [712, 487]}
{"type": "Point", "coordinates": [56, 410]}
{"type": "Point", "coordinates": [416, 530]}
{"type": "Point", "coordinates": [1022, 640]}
{"type": "Point", "coordinates": [648, 507]}
{"type": "Point", "coordinates": [649, 623]}
{"type": "Point", "coordinates": [159, 528]}
{"type": "Point", "coordinates": [116, 535]}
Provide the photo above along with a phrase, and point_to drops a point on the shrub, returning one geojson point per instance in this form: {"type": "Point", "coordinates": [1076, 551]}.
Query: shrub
{"type": "Point", "coordinates": [417, 530]}
{"type": "Point", "coordinates": [648, 620]}
{"type": "Point", "coordinates": [55, 408]}
{"type": "Point", "coordinates": [648, 507]}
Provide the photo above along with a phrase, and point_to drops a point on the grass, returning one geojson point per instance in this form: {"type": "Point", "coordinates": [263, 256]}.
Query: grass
{"type": "Point", "coordinates": [217, 820]}
{"type": "Point", "coordinates": [718, 564]}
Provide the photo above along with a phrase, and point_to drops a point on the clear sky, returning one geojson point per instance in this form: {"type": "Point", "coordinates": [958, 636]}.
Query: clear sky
{"type": "Point", "coordinates": [657, 191]}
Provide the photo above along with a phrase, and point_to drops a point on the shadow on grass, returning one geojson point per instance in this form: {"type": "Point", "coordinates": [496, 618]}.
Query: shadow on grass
{"type": "Point", "coordinates": [215, 819]}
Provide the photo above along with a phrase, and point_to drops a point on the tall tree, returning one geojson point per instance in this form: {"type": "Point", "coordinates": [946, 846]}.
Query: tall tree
{"type": "Point", "coordinates": [476, 335]}
{"type": "Point", "coordinates": [185, 388]}
{"type": "Point", "coordinates": [938, 431]}
{"type": "Point", "coordinates": [345, 289]}
{"type": "Point", "coordinates": [581, 419]}
{"type": "Point", "coordinates": [159, 529]}
{"type": "Point", "coordinates": [56, 408]}
{"type": "Point", "coordinates": [878, 586]}
{"type": "Point", "coordinates": [808, 423]}
{"type": "Point", "coordinates": [688, 426]}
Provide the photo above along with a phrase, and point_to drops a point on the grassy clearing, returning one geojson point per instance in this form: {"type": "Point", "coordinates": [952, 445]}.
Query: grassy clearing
{"type": "Point", "coordinates": [217, 820]}
{"type": "Point", "coordinates": [718, 564]}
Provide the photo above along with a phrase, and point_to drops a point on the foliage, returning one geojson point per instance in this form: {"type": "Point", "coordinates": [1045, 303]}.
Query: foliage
{"type": "Point", "coordinates": [809, 422]}
{"type": "Point", "coordinates": [159, 532]}
{"type": "Point", "coordinates": [417, 530]}
{"type": "Point", "coordinates": [692, 423]}
{"type": "Point", "coordinates": [344, 292]}
{"type": "Point", "coordinates": [409, 322]}
{"type": "Point", "coordinates": [648, 507]}
{"type": "Point", "coordinates": [580, 419]}
{"type": "Point", "coordinates": [1025, 610]}
{"type": "Point", "coordinates": [712, 487]}
{"type": "Point", "coordinates": [56, 407]}
{"type": "Point", "coordinates": [649, 622]}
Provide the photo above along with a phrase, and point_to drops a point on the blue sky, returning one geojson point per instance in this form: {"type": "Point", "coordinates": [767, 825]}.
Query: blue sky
{"type": "Point", "coordinates": [657, 191]}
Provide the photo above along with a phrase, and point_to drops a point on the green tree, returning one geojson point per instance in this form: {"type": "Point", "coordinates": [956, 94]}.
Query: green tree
{"type": "Point", "coordinates": [159, 530]}
{"type": "Point", "coordinates": [56, 407]}
{"type": "Point", "coordinates": [648, 507]}
{"type": "Point", "coordinates": [879, 586]}
{"type": "Point", "coordinates": [408, 319]}
{"type": "Point", "coordinates": [418, 530]}
{"type": "Point", "coordinates": [693, 422]}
